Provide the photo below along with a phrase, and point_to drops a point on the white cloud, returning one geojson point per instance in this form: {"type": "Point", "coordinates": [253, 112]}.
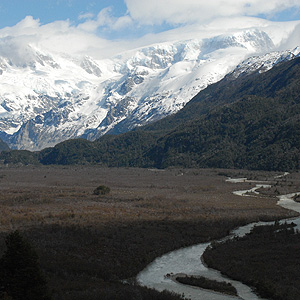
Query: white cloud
{"type": "Point", "coordinates": [28, 26]}
{"type": "Point", "coordinates": [105, 21]}
{"type": "Point", "coordinates": [220, 16]}
{"type": "Point", "coordinates": [121, 23]}
{"type": "Point", "coordinates": [59, 36]}
{"type": "Point", "coordinates": [86, 16]}
{"type": "Point", "coordinates": [292, 40]}
{"type": "Point", "coordinates": [103, 18]}
{"type": "Point", "coordinates": [66, 36]}
{"type": "Point", "coordinates": [198, 11]}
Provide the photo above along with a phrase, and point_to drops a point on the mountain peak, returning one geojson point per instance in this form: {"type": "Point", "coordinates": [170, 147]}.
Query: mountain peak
{"type": "Point", "coordinates": [46, 98]}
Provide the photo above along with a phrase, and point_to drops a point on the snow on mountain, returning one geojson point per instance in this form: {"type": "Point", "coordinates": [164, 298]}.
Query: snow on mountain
{"type": "Point", "coordinates": [264, 63]}
{"type": "Point", "coordinates": [46, 98]}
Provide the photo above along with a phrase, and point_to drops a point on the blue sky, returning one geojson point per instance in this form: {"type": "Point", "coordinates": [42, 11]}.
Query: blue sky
{"type": "Point", "coordinates": [103, 28]}
{"type": "Point", "coordinates": [163, 14]}
{"type": "Point", "coordinates": [47, 11]}
{"type": "Point", "coordinates": [13, 11]}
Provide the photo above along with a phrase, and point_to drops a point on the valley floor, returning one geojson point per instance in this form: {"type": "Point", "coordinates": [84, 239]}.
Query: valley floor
{"type": "Point", "coordinates": [88, 243]}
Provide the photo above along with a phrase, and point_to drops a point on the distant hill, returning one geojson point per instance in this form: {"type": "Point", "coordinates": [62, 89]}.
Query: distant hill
{"type": "Point", "coordinates": [249, 122]}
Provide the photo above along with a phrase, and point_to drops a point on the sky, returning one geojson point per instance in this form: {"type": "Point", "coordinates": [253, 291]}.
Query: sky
{"type": "Point", "coordinates": [116, 25]}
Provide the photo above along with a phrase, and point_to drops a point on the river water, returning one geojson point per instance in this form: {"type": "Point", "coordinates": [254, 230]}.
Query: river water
{"type": "Point", "coordinates": [188, 261]}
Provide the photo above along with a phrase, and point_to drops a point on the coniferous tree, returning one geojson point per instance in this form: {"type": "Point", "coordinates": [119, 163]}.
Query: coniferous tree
{"type": "Point", "coordinates": [20, 274]}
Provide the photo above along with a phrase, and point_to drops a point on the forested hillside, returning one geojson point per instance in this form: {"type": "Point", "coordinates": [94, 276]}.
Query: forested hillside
{"type": "Point", "coordinates": [251, 122]}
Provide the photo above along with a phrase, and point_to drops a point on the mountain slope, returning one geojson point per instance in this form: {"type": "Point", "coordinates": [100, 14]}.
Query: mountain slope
{"type": "Point", "coordinates": [232, 88]}
{"type": "Point", "coordinates": [254, 123]}
{"type": "Point", "coordinates": [46, 98]}
{"type": "Point", "coordinates": [3, 146]}
{"type": "Point", "coordinates": [249, 122]}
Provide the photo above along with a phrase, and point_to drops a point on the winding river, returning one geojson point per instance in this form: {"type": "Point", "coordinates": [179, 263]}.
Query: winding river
{"type": "Point", "coordinates": [188, 260]}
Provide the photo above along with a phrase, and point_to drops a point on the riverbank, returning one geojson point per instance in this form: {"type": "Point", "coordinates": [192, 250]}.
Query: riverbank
{"type": "Point", "coordinates": [87, 243]}
{"type": "Point", "coordinates": [268, 259]}
{"type": "Point", "coordinates": [207, 284]}
{"type": "Point", "coordinates": [151, 277]}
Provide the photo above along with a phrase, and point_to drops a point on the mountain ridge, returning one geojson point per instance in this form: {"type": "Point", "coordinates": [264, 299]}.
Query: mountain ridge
{"type": "Point", "coordinates": [249, 122]}
{"type": "Point", "coordinates": [48, 98]}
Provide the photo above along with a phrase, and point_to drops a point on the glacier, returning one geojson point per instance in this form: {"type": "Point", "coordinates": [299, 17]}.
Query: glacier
{"type": "Point", "coordinates": [48, 97]}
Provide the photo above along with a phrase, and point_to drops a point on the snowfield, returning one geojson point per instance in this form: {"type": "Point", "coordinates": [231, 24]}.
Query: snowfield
{"type": "Point", "coordinates": [46, 98]}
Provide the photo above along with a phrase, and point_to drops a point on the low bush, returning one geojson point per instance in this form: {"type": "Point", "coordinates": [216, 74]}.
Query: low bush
{"type": "Point", "coordinates": [102, 190]}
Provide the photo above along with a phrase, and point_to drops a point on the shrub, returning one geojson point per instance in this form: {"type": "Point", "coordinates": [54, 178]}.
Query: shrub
{"type": "Point", "coordinates": [102, 190]}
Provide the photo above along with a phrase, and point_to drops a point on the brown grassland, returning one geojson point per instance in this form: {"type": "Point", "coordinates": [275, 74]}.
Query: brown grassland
{"type": "Point", "coordinates": [88, 243]}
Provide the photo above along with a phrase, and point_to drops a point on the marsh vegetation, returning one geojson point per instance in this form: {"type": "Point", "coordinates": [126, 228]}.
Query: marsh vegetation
{"type": "Point", "coordinates": [88, 245]}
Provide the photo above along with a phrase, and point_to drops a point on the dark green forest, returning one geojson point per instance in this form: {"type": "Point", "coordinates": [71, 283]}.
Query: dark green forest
{"type": "Point", "coordinates": [267, 259]}
{"type": "Point", "coordinates": [20, 275]}
{"type": "Point", "coordinates": [252, 122]}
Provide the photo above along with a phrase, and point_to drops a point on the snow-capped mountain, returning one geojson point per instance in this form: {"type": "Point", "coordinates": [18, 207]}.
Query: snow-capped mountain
{"type": "Point", "coordinates": [46, 98]}
{"type": "Point", "coordinates": [263, 63]}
